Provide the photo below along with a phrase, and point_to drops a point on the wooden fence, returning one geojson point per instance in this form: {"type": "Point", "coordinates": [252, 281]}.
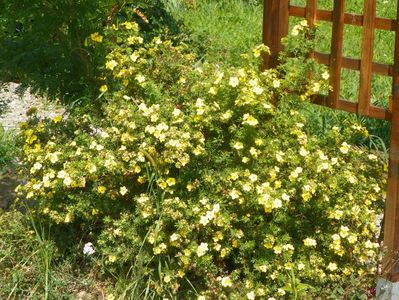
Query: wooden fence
{"type": "Point", "coordinates": [276, 21]}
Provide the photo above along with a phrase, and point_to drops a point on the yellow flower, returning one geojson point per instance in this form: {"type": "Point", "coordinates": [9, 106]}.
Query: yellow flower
{"type": "Point", "coordinates": [130, 25]}
{"type": "Point", "coordinates": [276, 83]}
{"type": "Point", "coordinates": [212, 91]}
{"type": "Point", "coordinates": [92, 168]}
{"type": "Point", "coordinates": [112, 258]}
{"type": "Point", "coordinates": [344, 231]}
{"type": "Point", "coordinates": [68, 218]}
{"type": "Point", "coordinates": [344, 148]}
{"type": "Point", "coordinates": [304, 23]}
{"type": "Point", "coordinates": [103, 88]}
{"type": "Point", "coordinates": [181, 274]}
{"type": "Point", "coordinates": [53, 157]}
{"type": "Point", "coordinates": [332, 266]}
{"type": "Point", "coordinates": [238, 146]}
{"type": "Point", "coordinates": [111, 64]}
{"type": "Point", "coordinates": [234, 194]}
{"type": "Point", "coordinates": [140, 78]}
{"type": "Point", "coordinates": [234, 81]}
{"type": "Point", "coordinates": [251, 295]}
{"type": "Point", "coordinates": [309, 242]}
{"type": "Point", "coordinates": [278, 249]}
{"type": "Point", "coordinates": [257, 90]}
{"type": "Point", "coordinates": [294, 174]}
{"type": "Point", "coordinates": [303, 152]}
{"type": "Point", "coordinates": [171, 181]}
{"type": "Point", "coordinates": [249, 120]}
{"type": "Point", "coordinates": [325, 75]}
{"type": "Point", "coordinates": [263, 268]}
{"type": "Point", "coordinates": [296, 29]}
{"type": "Point", "coordinates": [253, 177]}
{"type": "Point", "coordinates": [101, 189]}
{"type": "Point", "coordinates": [57, 119]}
{"type": "Point", "coordinates": [96, 37]}
{"type": "Point", "coordinates": [202, 249]}
{"type": "Point", "coordinates": [352, 239]}
{"type": "Point", "coordinates": [134, 56]}
{"type": "Point", "coordinates": [226, 281]}
{"type": "Point", "coordinates": [224, 252]}
{"type": "Point", "coordinates": [301, 266]}
{"type": "Point", "coordinates": [131, 40]}
{"type": "Point", "coordinates": [174, 237]}
{"type": "Point", "coordinates": [123, 190]}
{"type": "Point", "coordinates": [67, 181]}
{"type": "Point", "coordinates": [316, 87]}
{"type": "Point", "coordinates": [111, 297]}
{"type": "Point", "coordinates": [234, 176]}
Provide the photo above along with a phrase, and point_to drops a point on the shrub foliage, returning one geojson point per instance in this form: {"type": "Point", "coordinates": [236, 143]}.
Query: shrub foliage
{"type": "Point", "coordinates": [207, 179]}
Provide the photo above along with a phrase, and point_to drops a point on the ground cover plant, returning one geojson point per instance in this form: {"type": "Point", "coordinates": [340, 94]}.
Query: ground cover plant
{"type": "Point", "coordinates": [205, 181]}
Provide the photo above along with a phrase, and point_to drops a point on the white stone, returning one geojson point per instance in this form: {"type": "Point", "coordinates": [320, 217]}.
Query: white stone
{"type": "Point", "coordinates": [387, 290]}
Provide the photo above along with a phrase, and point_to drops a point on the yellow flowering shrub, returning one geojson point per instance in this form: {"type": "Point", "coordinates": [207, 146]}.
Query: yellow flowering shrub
{"type": "Point", "coordinates": [209, 178]}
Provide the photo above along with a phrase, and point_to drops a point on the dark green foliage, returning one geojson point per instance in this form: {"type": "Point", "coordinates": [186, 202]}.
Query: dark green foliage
{"type": "Point", "coordinates": [42, 43]}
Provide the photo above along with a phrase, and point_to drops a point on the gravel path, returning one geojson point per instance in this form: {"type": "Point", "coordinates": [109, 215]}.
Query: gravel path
{"type": "Point", "coordinates": [14, 103]}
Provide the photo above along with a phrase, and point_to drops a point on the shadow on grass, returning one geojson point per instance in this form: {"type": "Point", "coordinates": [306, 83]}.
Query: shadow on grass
{"type": "Point", "coordinates": [8, 182]}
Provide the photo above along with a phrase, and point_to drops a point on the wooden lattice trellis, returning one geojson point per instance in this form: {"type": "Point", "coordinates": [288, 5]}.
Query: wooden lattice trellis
{"type": "Point", "coordinates": [276, 19]}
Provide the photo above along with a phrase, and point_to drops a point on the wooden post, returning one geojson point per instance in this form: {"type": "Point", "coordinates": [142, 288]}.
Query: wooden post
{"type": "Point", "coordinates": [390, 264]}
{"type": "Point", "coordinates": [275, 27]}
{"type": "Point", "coordinates": [310, 14]}
{"type": "Point", "coordinates": [311, 11]}
{"type": "Point", "coordinates": [336, 52]}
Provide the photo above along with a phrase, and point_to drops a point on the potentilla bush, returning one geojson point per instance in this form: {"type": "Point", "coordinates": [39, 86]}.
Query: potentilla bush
{"type": "Point", "coordinates": [206, 181]}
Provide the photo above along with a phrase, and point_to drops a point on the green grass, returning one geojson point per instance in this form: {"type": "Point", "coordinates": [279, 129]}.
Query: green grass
{"type": "Point", "coordinates": [8, 149]}
{"type": "Point", "coordinates": [226, 28]}
{"type": "Point", "coordinates": [31, 265]}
